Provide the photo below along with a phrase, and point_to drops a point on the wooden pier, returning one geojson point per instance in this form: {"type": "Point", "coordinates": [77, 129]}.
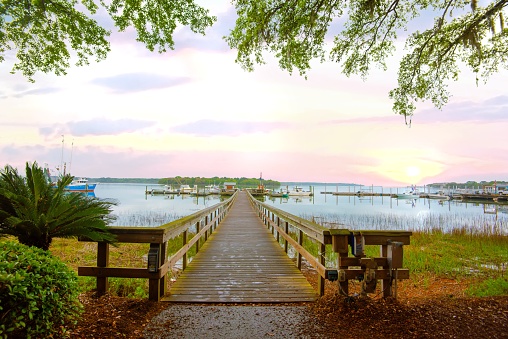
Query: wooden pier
{"type": "Point", "coordinates": [241, 262]}
{"type": "Point", "coordinates": [242, 247]}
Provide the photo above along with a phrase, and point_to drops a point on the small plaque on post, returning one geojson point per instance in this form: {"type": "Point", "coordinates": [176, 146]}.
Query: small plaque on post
{"type": "Point", "coordinates": [153, 260]}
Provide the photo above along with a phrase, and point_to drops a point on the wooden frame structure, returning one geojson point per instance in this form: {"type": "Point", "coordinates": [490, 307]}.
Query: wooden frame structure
{"type": "Point", "coordinates": [387, 267]}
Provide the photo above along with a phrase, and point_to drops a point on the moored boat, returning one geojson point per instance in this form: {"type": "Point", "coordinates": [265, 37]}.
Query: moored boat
{"type": "Point", "coordinates": [411, 194]}
{"type": "Point", "coordinates": [80, 185]}
{"type": "Point", "coordinates": [298, 191]}
{"type": "Point", "coordinates": [439, 195]}
{"type": "Point", "coordinates": [281, 193]}
{"type": "Point", "coordinates": [214, 189]}
{"type": "Point", "coordinates": [186, 189]}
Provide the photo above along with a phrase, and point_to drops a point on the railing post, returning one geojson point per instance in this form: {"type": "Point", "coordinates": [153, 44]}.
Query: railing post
{"type": "Point", "coordinates": [271, 224]}
{"type": "Point", "coordinates": [163, 286]}
{"type": "Point", "coordinates": [343, 285]}
{"type": "Point", "coordinates": [198, 224]}
{"type": "Point", "coordinates": [286, 230]}
{"type": "Point", "coordinates": [102, 261]}
{"type": "Point", "coordinates": [300, 242]}
{"type": "Point", "coordinates": [278, 225]}
{"type": "Point", "coordinates": [184, 242]}
{"type": "Point", "coordinates": [322, 261]}
{"type": "Point", "coordinates": [154, 285]}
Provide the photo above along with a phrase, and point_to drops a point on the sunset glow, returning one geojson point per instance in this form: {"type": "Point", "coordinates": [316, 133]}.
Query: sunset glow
{"type": "Point", "coordinates": [195, 112]}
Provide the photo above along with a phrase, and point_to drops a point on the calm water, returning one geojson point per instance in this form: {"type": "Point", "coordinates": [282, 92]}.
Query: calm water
{"type": "Point", "coordinates": [137, 209]}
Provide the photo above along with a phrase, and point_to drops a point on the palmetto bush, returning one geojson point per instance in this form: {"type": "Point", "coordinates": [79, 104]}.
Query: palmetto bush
{"type": "Point", "coordinates": [35, 210]}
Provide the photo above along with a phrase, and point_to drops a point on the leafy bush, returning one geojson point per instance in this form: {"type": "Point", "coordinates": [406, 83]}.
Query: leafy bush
{"type": "Point", "coordinates": [38, 293]}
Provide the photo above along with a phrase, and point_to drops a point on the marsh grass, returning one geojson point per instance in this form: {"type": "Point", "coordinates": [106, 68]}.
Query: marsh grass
{"type": "Point", "coordinates": [474, 249]}
{"type": "Point", "coordinates": [146, 219]}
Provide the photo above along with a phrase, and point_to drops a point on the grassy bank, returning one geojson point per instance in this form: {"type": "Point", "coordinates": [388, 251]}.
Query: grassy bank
{"type": "Point", "coordinates": [478, 257]}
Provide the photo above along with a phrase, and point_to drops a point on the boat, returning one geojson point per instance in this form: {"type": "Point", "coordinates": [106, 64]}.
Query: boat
{"type": "Point", "coordinates": [166, 189]}
{"type": "Point", "coordinates": [201, 193]}
{"type": "Point", "coordinates": [439, 195]}
{"type": "Point", "coordinates": [281, 193]}
{"type": "Point", "coordinates": [413, 193]}
{"type": "Point", "coordinates": [80, 185]}
{"type": "Point", "coordinates": [186, 189]}
{"type": "Point", "coordinates": [169, 189]}
{"type": "Point", "coordinates": [213, 189]}
{"type": "Point", "coordinates": [298, 191]}
{"type": "Point", "coordinates": [260, 190]}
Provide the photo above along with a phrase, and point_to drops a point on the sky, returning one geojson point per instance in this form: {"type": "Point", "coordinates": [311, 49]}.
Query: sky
{"type": "Point", "coordinates": [194, 112]}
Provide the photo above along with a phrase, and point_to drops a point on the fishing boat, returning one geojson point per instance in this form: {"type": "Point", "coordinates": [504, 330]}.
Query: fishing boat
{"type": "Point", "coordinates": [80, 185]}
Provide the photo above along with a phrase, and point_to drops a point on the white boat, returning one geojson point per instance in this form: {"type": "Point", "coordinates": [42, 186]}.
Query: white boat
{"type": "Point", "coordinates": [169, 189]}
{"type": "Point", "coordinates": [213, 189]}
{"type": "Point", "coordinates": [299, 192]}
{"type": "Point", "coordinates": [439, 195]}
{"type": "Point", "coordinates": [411, 194]}
{"type": "Point", "coordinates": [186, 189]}
{"type": "Point", "coordinates": [281, 193]}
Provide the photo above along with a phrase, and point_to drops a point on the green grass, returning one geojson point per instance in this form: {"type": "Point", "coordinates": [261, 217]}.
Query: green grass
{"type": "Point", "coordinates": [457, 254]}
{"type": "Point", "coordinates": [476, 254]}
{"type": "Point", "coordinates": [75, 253]}
{"type": "Point", "coordinates": [489, 287]}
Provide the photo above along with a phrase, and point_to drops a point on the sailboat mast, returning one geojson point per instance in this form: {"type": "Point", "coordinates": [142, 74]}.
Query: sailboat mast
{"type": "Point", "coordinates": [61, 158]}
{"type": "Point", "coordinates": [70, 162]}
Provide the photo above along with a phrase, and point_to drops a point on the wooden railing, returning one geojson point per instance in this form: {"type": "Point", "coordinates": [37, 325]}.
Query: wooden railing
{"type": "Point", "coordinates": [159, 264]}
{"type": "Point", "coordinates": [387, 267]}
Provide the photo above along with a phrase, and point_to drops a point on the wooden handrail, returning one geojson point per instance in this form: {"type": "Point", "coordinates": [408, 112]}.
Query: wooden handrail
{"type": "Point", "coordinates": [206, 221]}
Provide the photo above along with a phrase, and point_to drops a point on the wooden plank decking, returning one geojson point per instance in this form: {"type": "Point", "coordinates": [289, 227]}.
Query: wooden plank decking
{"type": "Point", "coordinates": [241, 263]}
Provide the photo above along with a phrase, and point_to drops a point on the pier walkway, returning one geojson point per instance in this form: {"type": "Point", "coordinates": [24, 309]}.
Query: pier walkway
{"type": "Point", "coordinates": [241, 262]}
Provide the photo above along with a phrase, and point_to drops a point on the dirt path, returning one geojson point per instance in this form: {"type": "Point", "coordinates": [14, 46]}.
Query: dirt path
{"type": "Point", "coordinates": [209, 321]}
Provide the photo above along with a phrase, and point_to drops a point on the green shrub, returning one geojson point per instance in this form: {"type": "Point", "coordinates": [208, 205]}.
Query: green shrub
{"type": "Point", "coordinates": [38, 293]}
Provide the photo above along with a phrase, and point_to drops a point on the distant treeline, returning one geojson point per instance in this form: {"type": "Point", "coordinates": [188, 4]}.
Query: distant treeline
{"type": "Point", "coordinates": [469, 184]}
{"type": "Point", "coordinates": [125, 180]}
{"type": "Point", "coordinates": [201, 181]}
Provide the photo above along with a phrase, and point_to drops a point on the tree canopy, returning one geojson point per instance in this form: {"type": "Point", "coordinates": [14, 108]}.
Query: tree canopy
{"type": "Point", "coordinates": [45, 32]}
{"type": "Point", "coordinates": [463, 34]}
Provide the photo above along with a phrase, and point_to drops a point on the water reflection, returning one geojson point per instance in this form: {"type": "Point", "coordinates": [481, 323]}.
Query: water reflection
{"type": "Point", "coordinates": [290, 199]}
{"type": "Point", "coordinates": [384, 211]}
{"type": "Point", "coordinates": [360, 211]}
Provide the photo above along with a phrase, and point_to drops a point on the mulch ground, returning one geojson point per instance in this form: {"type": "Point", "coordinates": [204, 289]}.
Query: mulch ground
{"type": "Point", "coordinates": [441, 310]}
